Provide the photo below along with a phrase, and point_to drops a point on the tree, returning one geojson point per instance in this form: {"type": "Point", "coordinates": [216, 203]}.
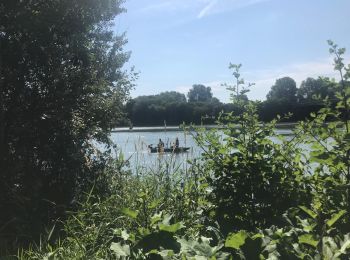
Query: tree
{"type": "Point", "coordinates": [199, 93]}
{"type": "Point", "coordinates": [154, 109]}
{"type": "Point", "coordinates": [61, 87]}
{"type": "Point", "coordinates": [320, 88]}
{"type": "Point", "coordinates": [171, 97]}
{"type": "Point", "coordinates": [284, 90]}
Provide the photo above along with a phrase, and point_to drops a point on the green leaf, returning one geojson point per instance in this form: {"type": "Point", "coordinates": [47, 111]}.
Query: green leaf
{"type": "Point", "coordinates": [308, 211]}
{"type": "Point", "coordinates": [236, 240]}
{"type": "Point", "coordinates": [165, 254]}
{"type": "Point", "coordinates": [153, 251]}
{"type": "Point", "coordinates": [318, 156]}
{"type": "Point", "coordinates": [154, 204]}
{"type": "Point", "coordinates": [125, 235]}
{"type": "Point", "coordinates": [156, 218]}
{"type": "Point", "coordinates": [131, 213]}
{"type": "Point", "coordinates": [171, 228]}
{"type": "Point", "coordinates": [345, 246]}
{"type": "Point", "coordinates": [308, 239]}
{"type": "Point", "coordinates": [201, 250]}
{"type": "Point", "coordinates": [309, 228]}
{"type": "Point", "coordinates": [120, 250]}
{"type": "Point", "coordinates": [335, 218]}
{"type": "Point", "coordinates": [257, 236]}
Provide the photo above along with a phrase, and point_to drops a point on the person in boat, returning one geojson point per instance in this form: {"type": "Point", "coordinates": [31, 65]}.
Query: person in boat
{"type": "Point", "coordinates": [160, 144]}
{"type": "Point", "coordinates": [175, 145]}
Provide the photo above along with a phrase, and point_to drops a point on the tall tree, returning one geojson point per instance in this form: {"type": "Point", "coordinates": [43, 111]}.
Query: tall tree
{"type": "Point", "coordinates": [199, 93]}
{"type": "Point", "coordinates": [311, 89]}
{"type": "Point", "coordinates": [284, 90]}
{"type": "Point", "coordinates": [61, 86]}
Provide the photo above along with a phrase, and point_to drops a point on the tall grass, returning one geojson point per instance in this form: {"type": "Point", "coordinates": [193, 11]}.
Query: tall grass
{"type": "Point", "coordinates": [166, 186]}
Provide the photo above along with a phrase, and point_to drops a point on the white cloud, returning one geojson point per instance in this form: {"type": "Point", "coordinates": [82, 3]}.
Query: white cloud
{"type": "Point", "coordinates": [265, 78]}
{"type": "Point", "coordinates": [207, 9]}
{"type": "Point", "coordinates": [202, 8]}
{"type": "Point", "coordinates": [221, 6]}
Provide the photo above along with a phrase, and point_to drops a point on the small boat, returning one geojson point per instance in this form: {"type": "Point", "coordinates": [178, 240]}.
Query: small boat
{"type": "Point", "coordinates": [168, 150]}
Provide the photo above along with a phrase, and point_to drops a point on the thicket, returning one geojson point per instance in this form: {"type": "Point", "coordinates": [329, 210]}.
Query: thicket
{"type": "Point", "coordinates": [245, 198]}
{"type": "Point", "coordinates": [62, 87]}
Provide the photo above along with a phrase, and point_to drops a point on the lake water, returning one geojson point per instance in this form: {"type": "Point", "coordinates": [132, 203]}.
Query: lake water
{"type": "Point", "coordinates": [134, 147]}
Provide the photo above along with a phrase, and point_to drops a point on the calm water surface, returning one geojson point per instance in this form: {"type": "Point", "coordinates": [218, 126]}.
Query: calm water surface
{"type": "Point", "coordinates": [134, 147]}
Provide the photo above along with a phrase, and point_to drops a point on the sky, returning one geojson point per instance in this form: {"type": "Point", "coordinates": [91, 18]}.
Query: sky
{"type": "Point", "coordinates": [177, 43]}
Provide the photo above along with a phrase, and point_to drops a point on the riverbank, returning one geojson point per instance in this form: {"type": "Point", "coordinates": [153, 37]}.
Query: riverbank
{"type": "Point", "coordinates": [180, 128]}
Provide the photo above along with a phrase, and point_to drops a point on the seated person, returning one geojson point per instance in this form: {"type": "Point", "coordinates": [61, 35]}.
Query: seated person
{"type": "Point", "coordinates": [177, 142]}
{"type": "Point", "coordinates": [160, 144]}
{"type": "Point", "coordinates": [175, 145]}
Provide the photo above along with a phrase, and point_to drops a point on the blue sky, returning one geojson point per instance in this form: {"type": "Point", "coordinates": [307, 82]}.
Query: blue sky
{"type": "Point", "coordinates": [178, 43]}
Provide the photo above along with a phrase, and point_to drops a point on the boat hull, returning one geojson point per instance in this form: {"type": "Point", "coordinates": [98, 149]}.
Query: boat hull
{"type": "Point", "coordinates": [169, 150]}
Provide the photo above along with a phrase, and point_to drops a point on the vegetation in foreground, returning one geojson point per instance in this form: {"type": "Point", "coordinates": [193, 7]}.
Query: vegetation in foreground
{"type": "Point", "coordinates": [62, 87]}
{"type": "Point", "coordinates": [247, 197]}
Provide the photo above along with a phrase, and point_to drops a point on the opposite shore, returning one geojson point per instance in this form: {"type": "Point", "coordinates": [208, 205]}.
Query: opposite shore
{"type": "Point", "coordinates": [181, 128]}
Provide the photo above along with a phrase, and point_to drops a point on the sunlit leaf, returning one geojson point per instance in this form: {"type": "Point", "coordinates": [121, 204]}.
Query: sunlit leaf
{"type": "Point", "coordinates": [345, 247]}
{"type": "Point", "coordinates": [156, 218]}
{"type": "Point", "coordinates": [308, 239]}
{"type": "Point", "coordinates": [120, 250]}
{"type": "Point", "coordinates": [125, 235]}
{"type": "Point", "coordinates": [171, 228]}
{"type": "Point", "coordinates": [308, 211]}
{"type": "Point", "coordinates": [236, 240]}
{"type": "Point", "coordinates": [131, 213]}
{"type": "Point", "coordinates": [335, 218]}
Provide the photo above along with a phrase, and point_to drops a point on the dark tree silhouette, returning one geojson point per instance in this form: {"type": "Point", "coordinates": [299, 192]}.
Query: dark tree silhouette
{"type": "Point", "coordinates": [61, 86]}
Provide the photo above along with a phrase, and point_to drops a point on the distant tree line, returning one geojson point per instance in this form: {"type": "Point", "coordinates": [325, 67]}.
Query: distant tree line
{"type": "Point", "coordinates": [173, 107]}
{"type": "Point", "coordinates": [201, 107]}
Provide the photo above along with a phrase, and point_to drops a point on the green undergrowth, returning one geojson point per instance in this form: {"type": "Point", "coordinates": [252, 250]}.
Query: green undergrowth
{"type": "Point", "coordinates": [245, 198]}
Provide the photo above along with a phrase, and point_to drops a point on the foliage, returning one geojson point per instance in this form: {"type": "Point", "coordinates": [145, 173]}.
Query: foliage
{"type": "Point", "coordinates": [239, 90]}
{"type": "Point", "coordinates": [171, 107]}
{"type": "Point", "coordinates": [316, 90]}
{"type": "Point", "coordinates": [249, 197]}
{"type": "Point", "coordinates": [199, 93]}
{"type": "Point", "coordinates": [284, 90]}
{"type": "Point", "coordinates": [61, 87]}
{"type": "Point", "coordinates": [330, 152]}
{"type": "Point", "coordinates": [254, 180]}
{"type": "Point", "coordinates": [269, 110]}
{"type": "Point", "coordinates": [288, 243]}
{"type": "Point", "coordinates": [146, 215]}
